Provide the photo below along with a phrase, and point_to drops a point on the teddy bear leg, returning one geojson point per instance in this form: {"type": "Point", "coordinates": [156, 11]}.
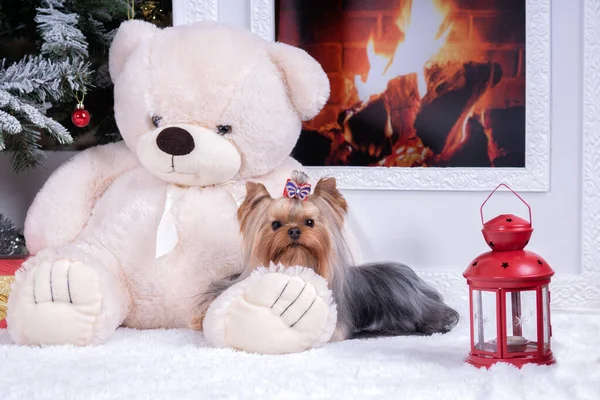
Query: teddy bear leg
{"type": "Point", "coordinates": [274, 311]}
{"type": "Point", "coordinates": [69, 295]}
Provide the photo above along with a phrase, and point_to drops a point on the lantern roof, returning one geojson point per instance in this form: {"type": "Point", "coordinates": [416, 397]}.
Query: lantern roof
{"type": "Point", "coordinates": [508, 266]}
{"type": "Point", "coordinates": [507, 232]}
{"type": "Point", "coordinates": [507, 222]}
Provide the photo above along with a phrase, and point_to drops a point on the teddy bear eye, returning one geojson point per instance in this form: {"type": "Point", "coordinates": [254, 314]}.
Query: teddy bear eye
{"type": "Point", "coordinates": [156, 120]}
{"type": "Point", "coordinates": [223, 129]}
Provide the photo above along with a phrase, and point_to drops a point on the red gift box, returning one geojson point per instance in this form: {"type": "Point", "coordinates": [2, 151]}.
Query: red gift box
{"type": "Point", "coordinates": [8, 267]}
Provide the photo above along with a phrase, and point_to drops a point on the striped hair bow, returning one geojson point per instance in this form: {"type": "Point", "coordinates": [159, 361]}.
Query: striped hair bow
{"type": "Point", "coordinates": [294, 191]}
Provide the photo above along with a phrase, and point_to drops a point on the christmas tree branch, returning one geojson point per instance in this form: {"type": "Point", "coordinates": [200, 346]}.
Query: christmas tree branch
{"type": "Point", "coordinates": [43, 80]}
{"type": "Point", "coordinates": [8, 124]}
{"type": "Point", "coordinates": [28, 86]}
{"type": "Point", "coordinates": [38, 91]}
{"type": "Point", "coordinates": [25, 149]}
{"type": "Point", "coordinates": [62, 38]}
{"type": "Point", "coordinates": [20, 127]}
{"type": "Point", "coordinates": [12, 242]}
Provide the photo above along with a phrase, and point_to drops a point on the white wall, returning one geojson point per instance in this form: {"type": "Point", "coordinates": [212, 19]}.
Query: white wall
{"type": "Point", "coordinates": [441, 231]}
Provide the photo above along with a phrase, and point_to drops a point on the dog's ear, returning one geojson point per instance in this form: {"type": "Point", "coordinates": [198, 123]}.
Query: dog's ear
{"type": "Point", "coordinates": [326, 189]}
{"type": "Point", "coordinates": [256, 193]}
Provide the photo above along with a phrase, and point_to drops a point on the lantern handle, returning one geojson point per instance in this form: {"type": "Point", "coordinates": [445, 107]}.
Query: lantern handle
{"type": "Point", "coordinates": [490, 195]}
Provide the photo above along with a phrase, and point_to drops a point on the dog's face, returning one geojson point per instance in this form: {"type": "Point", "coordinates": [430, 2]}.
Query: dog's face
{"type": "Point", "coordinates": [289, 231]}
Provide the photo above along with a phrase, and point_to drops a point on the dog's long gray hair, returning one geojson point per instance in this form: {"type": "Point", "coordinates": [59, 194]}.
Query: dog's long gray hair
{"type": "Point", "coordinates": [379, 299]}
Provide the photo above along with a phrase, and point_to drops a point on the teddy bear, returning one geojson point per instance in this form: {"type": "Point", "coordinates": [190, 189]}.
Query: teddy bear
{"type": "Point", "coordinates": [130, 233]}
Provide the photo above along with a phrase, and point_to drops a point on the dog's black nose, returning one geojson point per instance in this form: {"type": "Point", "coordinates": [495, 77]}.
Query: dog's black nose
{"type": "Point", "coordinates": [294, 233]}
{"type": "Point", "coordinates": [175, 141]}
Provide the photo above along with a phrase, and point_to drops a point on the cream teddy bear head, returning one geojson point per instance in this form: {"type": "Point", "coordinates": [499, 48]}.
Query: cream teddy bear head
{"type": "Point", "coordinates": [204, 103]}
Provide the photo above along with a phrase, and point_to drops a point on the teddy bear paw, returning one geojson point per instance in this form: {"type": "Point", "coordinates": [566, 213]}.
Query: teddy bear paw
{"type": "Point", "coordinates": [55, 302]}
{"type": "Point", "coordinates": [273, 311]}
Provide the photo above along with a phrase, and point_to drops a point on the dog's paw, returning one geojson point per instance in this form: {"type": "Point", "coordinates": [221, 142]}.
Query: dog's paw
{"type": "Point", "coordinates": [273, 313]}
{"type": "Point", "coordinates": [56, 302]}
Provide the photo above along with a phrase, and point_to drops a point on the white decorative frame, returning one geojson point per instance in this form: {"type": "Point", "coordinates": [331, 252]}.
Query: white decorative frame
{"type": "Point", "coordinates": [186, 11]}
{"type": "Point", "coordinates": [570, 292]}
{"type": "Point", "coordinates": [534, 177]}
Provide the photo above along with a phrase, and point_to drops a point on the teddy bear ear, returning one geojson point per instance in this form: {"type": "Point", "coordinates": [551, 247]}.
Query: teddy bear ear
{"type": "Point", "coordinates": [307, 83]}
{"type": "Point", "coordinates": [129, 35]}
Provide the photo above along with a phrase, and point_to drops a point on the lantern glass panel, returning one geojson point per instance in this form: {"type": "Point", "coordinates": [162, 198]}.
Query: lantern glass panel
{"type": "Point", "coordinates": [521, 321]}
{"type": "Point", "coordinates": [546, 319]}
{"type": "Point", "coordinates": [484, 320]}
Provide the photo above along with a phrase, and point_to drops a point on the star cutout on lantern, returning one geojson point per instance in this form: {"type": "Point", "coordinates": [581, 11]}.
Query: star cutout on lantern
{"type": "Point", "coordinates": [479, 317]}
{"type": "Point", "coordinates": [474, 264]}
{"type": "Point", "coordinates": [539, 262]}
{"type": "Point", "coordinates": [505, 265]}
{"type": "Point", "coordinates": [509, 220]}
{"type": "Point", "coordinates": [521, 320]}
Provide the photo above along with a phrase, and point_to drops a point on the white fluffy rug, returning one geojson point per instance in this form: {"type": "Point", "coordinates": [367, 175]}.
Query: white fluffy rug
{"type": "Point", "coordinates": [177, 365]}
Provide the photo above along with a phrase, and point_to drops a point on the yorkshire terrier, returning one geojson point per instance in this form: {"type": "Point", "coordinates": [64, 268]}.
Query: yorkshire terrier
{"type": "Point", "coordinates": [302, 229]}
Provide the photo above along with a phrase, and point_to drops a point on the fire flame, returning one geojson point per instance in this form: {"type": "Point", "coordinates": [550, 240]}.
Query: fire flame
{"type": "Point", "coordinates": [421, 43]}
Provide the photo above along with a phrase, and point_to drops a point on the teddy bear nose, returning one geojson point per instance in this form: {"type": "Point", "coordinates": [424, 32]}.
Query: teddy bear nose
{"type": "Point", "coordinates": [175, 141]}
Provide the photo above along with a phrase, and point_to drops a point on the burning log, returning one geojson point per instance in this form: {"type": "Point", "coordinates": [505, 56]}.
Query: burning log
{"type": "Point", "coordinates": [398, 128]}
{"type": "Point", "coordinates": [412, 153]}
{"type": "Point", "coordinates": [403, 99]}
{"type": "Point", "coordinates": [453, 90]}
{"type": "Point", "coordinates": [507, 128]}
{"type": "Point", "coordinates": [342, 154]}
{"type": "Point", "coordinates": [386, 120]}
{"type": "Point", "coordinates": [473, 152]}
{"type": "Point", "coordinates": [312, 148]}
{"type": "Point", "coordinates": [367, 128]}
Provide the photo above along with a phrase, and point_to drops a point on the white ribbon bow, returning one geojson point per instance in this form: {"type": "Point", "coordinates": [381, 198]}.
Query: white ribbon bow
{"type": "Point", "coordinates": [166, 235]}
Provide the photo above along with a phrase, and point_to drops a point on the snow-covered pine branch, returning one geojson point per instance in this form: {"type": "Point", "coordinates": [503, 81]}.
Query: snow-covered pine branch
{"type": "Point", "coordinates": [20, 126]}
{"type": "Point", "coordinates": [42, 79]}
{"type": "Point", "coordinates": [60, 34]}
{"type": "Point", "coordinates": [73, 49]}
{"type": "Point", "coordinates": [30, 85]}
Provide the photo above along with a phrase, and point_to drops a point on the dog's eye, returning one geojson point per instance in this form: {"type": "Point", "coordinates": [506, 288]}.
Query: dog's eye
{"type": "Point", "coordinates": [223, 129]}
{"type": "Point", "coordinates": [156, 120]}
{"type": "Point", "coordinates": [276, 225]}
{"type": "Point", "coordinates": [309, 222]}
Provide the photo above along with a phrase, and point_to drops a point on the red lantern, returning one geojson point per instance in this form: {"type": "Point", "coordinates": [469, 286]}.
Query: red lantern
{"type": "Point", "coordinates": [509, 296]}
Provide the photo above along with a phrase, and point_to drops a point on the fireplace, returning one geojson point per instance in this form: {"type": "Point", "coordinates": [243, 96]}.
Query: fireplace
{"type": "Point", "coordinates": [421, 83]}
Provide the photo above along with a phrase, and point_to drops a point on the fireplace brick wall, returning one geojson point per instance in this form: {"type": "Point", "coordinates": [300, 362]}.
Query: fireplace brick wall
{"type": "Point", "coordinates": [336, 32]}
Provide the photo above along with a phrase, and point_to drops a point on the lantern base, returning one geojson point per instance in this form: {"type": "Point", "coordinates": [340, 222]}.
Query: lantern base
{"type": "Point", "coordinates": [487, 362]}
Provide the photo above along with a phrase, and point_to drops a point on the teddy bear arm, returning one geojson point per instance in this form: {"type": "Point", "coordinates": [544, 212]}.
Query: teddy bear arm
{"type": "Point", "coordinates": [273, 311]}
{"type": "Point", "coordinates": [63, 206]}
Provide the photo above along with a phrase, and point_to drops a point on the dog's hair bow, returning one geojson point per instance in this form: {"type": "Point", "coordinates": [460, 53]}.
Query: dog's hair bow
{"type": "Point", "coordinates": [297, 186]}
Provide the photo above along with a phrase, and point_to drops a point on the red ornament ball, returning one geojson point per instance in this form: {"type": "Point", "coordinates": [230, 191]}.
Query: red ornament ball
{"type": "Point", "coordinates": [80, 117]}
